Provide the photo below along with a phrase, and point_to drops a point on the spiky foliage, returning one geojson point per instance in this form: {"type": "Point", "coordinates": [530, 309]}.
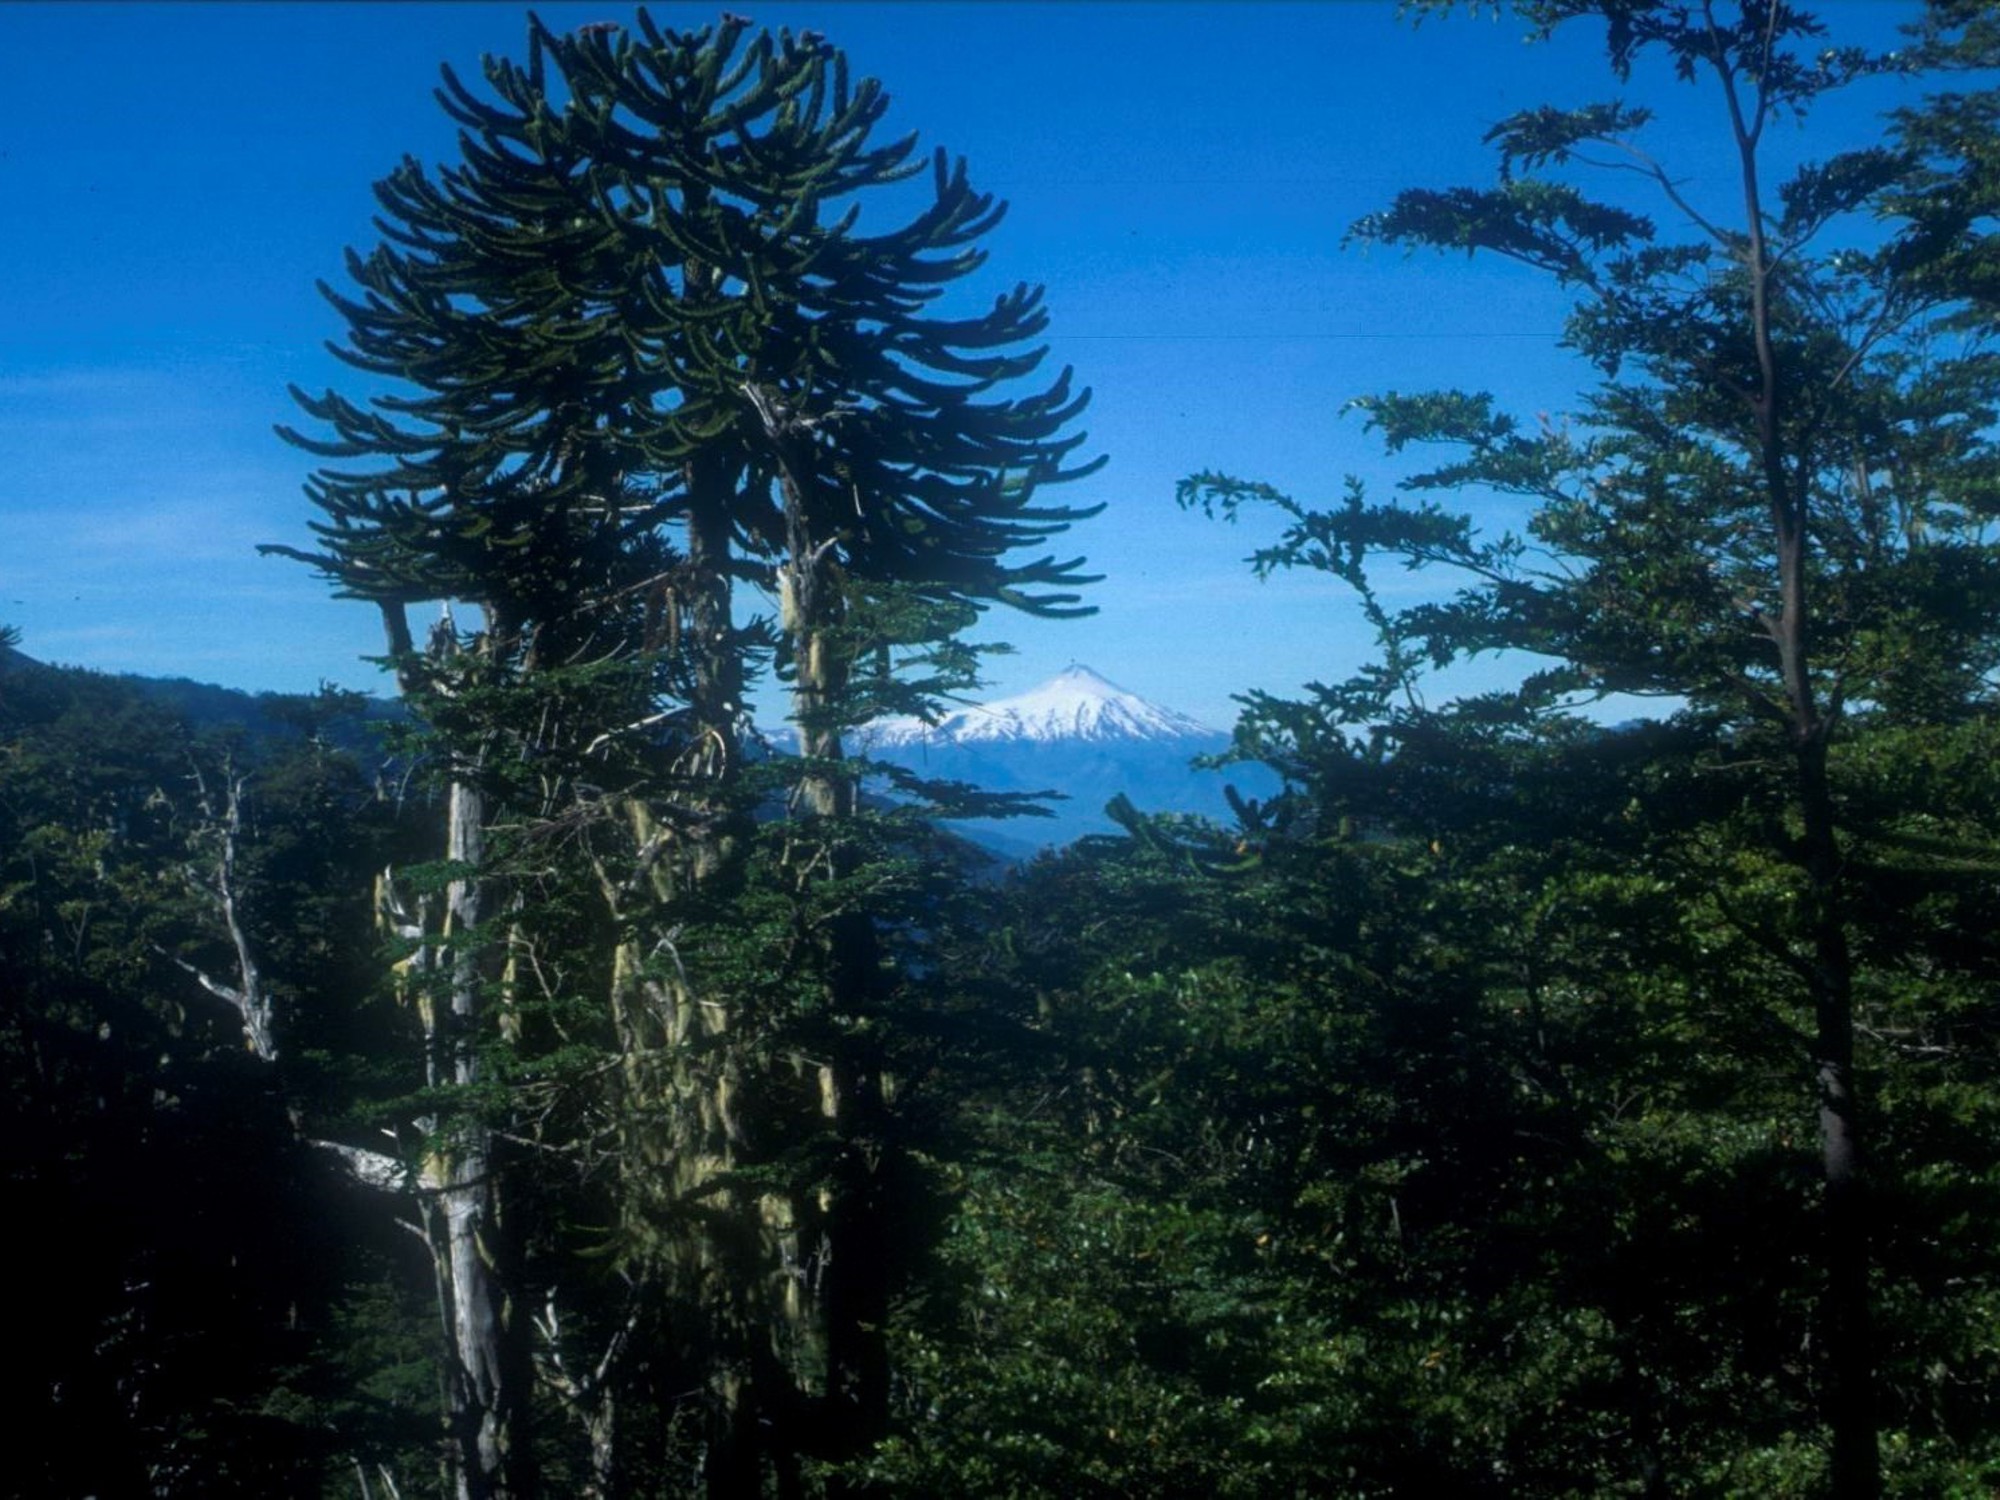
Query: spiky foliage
{"type": "Point", "coordinates": [649, 234]}
{"type": "Point", "coordinates": [638, 351]}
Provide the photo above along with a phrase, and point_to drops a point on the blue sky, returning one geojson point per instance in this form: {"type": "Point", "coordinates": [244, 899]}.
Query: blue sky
{"type": "Point", "coordinates": [1180, 177]}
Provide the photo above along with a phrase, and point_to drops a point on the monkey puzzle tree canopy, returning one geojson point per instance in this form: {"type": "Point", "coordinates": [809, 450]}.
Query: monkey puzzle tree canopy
{"type": "Point", "coordinates": [646, 342]}
{"type": "Point", "coordinates": [649, 236]}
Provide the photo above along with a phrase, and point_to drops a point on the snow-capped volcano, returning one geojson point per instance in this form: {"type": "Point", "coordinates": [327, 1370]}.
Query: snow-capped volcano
{"type": "Point", "coordinates": [1079, 737]}
{"type": "Point", "coordinates": [1075, 704]}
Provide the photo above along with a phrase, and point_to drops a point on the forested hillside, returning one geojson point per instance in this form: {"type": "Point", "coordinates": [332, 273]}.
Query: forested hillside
{"type": "Point", "coordinates": [543, 1087]}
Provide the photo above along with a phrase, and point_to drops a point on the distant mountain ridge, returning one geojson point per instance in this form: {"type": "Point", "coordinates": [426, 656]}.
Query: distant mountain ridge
{"type": "Point", "coordinates": [204, 706]}
{"type": "Point", "coordinates": [1078, 735]}
{"type": "Point", "coordinates": [14, 660]}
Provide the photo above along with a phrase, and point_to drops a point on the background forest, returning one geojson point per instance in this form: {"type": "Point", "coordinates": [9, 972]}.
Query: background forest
{"type": "Point", "coordinates": [547, 1085]}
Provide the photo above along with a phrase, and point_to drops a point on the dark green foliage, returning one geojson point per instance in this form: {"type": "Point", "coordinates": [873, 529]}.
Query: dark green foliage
{"type": "Point", "coordinates": [177, 1234]}
{"type": "Point", "coordinates": [1774, 512]}
{"type": "Point", "coordinates": [1465, 1156]}
{"type": "Point", "coordinates": [642, 261]}
{"type": "Point", "coordinates": [637, 352]}
{"type": "Point", "coordinates": [1461, 1122]}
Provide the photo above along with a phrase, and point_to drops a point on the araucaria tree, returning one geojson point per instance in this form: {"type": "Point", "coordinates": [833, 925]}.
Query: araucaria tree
{"type": "Point", "coordinates": [1774, 511]}
{"type": "Point", "coordinates": [639, 363]}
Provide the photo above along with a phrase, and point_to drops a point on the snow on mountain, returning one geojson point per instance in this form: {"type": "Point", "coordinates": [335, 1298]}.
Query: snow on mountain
{"type": "Point", "coordinates": [1077, 742]}
{"type": "Point", "coordinates": [1076, 704]}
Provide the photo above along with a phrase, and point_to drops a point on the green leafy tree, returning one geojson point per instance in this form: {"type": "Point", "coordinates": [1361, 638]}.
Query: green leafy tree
{"type": "Point", "coordinates": [1774, 509]}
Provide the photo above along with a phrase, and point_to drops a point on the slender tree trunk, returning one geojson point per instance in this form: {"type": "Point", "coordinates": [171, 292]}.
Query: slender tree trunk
{"type": "Point", "coordinates": [486, 1391]}
{"type": "Point", "coordinates": [854, 1302]}
{"type": "Point", "coordinates": [248, 996]}
{"type": "Point", "coordinates": [586, 1391]}
{"type": "Point", "coordinates": [1848, 1405]}
{"type": "Point", "coordinates": [1849, 1402]}
{"type": "Point", "coordinates": [857, 1287]}
{"type": "Point", "coordinates": [489, 1369]}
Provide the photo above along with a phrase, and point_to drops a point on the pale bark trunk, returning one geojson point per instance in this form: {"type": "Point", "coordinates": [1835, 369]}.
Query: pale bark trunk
{"type": "Point", "coordinates": [853, 1305]}
{"type": "Point", "coordinates": [482, 1395]}
{"type": "Point", "coordinates": [459, 1184]}
{"type": "Point", "coordinates": [248, 996]}
{"type": "Point", "coordinates": [588, 1394]}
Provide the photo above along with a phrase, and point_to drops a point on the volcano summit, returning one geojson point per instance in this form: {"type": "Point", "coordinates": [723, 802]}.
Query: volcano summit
{"type": "Point", "coordinates": [1078, 734]}
{"type": "Point", "coordinates": [1075, 704]}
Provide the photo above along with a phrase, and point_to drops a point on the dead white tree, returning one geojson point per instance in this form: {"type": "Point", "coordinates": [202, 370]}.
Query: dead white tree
{"type": "Point", "coordinates": [222, 819]}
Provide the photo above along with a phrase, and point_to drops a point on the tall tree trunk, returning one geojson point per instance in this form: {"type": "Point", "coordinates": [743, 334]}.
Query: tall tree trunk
{"type": "Point", "coordinates": [485, 1399]}
{"type": "Point", "coordinates": [855, 1287]}
{"type": "Point", "coordinates": [712, 1247]}
{"type": "Point", "coordinates": [1848, 1407]}
{"type": "Point", "coordinates": [489, 1368]}
{"type": "Point", "coordinates": [707, 1244]}
{"type": "Point", "coordinates": [1849, 1403]}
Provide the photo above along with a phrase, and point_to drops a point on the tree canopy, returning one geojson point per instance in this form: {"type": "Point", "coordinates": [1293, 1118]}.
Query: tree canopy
{"type": "Point", "coordinates": [552, 1084]}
